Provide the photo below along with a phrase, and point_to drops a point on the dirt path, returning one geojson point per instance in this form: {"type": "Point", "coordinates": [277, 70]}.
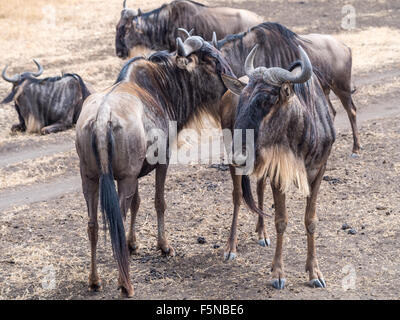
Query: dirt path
{"type": "Point", "coordinates": [39, 192]}
{"type": "Point", "coordinates": [35, 152]}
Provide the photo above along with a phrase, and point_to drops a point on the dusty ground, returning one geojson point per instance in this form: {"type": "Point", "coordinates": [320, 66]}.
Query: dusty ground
{"type": "Point", "coordinates": [43, 215]}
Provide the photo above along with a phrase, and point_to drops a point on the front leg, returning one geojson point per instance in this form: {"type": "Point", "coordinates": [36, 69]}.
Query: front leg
{"type": "Point", "coordinates": [162, 243]}
{"type": "Point", "coordinates": [231, 246]}
{"type": "Point", "coordinates": [56, 127]}
{"type": "Point", "coordinates": [19, 127]}
{"type": "Point", "coordinates": [310, 220]}
{"type": "Point", "coordinates": [278, 276]}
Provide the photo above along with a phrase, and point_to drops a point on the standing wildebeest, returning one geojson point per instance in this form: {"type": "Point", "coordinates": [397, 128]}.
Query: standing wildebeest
{"type": "Point", "coordinates": [157, 29]}
{"type": "Point", "coordinates": [46, 105]}
{"type": "Point", "coordinates": [331, 59]}
{"type": "Point", "coordinates": [114, 137]}
{"type": "Point", "coordinates": [293, 137]}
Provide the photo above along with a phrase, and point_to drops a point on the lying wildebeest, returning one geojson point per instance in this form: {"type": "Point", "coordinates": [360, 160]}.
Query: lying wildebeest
{"type": "Point", "coordinates": [46, 105]}
{"type": "Point", "coordinates": [114, 137]}
{"type": "Point", "coordinates": [278, 48]}
{"type": "Point", "coordinates": [293, 137]}
{"type": "Point", "coordinates": [157, 29]}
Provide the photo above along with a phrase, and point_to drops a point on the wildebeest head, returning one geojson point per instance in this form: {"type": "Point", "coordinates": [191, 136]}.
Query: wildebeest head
{"type": "Point", "coordinates": [18, 79]}
{"type": "Point", "coordinates": [128, 32]}
{"type": "Point", "coordinates": [269, 91]}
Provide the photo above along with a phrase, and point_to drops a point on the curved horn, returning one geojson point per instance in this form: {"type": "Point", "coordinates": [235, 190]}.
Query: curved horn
{"type": "Point", "coordinates": [40, 69]}
{"type": "Point", "coordinates": [214, 40]}
{"type": "Point", "coordinates": [249, 63]}
{"type": "Point", "coordinates": [124, 5]}
{"type": "Point", "coordinates": [13, 79]}
{"type": "Point", "coordinates": [278, 75]}
{"type": "Point", "coordinates": [187, 34]}
{"type": "Point", "coordinates": [180, 47]}
{"type": "Point", "coordinates": [190, 45]}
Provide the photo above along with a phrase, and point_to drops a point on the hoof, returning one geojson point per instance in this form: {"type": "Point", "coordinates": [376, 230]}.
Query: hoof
{"type": "Point", "coordinates": [95, 287]}
{"type": "Point", "coordinates": [278, 284]}
{"type": "Point", "coordinates": [317, 283]}
{"type": "Point", "coordinates": [170, 252]}
{"type": "Point", "coordinates": [127, 293]}
{"type": "Point", "coordinates": [264, 242]}
{"type": "Point", "coordinates": [229, 256]}
{"type": "Point", "coordinates": [133, 249]}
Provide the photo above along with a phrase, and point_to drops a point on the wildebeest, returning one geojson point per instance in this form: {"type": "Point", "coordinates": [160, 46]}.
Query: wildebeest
{"type": "Point", "coordinates": [278, 48]}
{"type": "Point", "coordinates": [45, 105]}
{"type": "Point", "coordinates": [157, 29]}
{"type": "Point", "coordinates": [114, 137]}
{"type": "Point", "coordinates": [293, 137]}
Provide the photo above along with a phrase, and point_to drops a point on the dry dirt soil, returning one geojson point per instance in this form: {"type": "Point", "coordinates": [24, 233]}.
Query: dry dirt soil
{"type": "Point", "coordinates": [43, 215]}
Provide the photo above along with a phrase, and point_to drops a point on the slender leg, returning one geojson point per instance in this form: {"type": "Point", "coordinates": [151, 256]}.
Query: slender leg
{"type": "Point", "coordinates": [126, 189]}
{"type": "Point", "coordinates": [348, 104]}
{"type": "Point", "coordinates": [162, 243]}
{"type": "Point", "coordinates": [91, 193]}
{"type": "Point", "coordinates": [278, 277]}
{"type": "Point", "coordinates": [263, 238]}
{"type": "Point", "coordinates": [310, 221]}
{"type": "Point", "coordinates": [231, 246]}
{"type": "Point", "coordinates": [133, 246]}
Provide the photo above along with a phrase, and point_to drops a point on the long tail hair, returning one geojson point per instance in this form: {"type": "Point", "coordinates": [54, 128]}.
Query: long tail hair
{"type": "Point", "coordinates": [248, 196]}
{"type": "Point", "coordinates": [109, 203]}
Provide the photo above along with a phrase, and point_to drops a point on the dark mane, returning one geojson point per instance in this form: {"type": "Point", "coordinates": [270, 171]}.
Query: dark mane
{"type": "Point", "coordinates": [157, 24]}
{"type": "Point", "coordinates": [278, 46]}
{"type": "Point", "coordinates": [162, 79]}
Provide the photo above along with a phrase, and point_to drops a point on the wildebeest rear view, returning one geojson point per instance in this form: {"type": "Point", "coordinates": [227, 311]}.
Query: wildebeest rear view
{"type": "Point", "coordinates": [172, 118]}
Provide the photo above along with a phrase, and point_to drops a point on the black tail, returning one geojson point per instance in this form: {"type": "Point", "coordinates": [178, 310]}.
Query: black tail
{"type": "Point", "coordinates": [109, 203]}
{"type": "Point", "coordinates": [248, 196]}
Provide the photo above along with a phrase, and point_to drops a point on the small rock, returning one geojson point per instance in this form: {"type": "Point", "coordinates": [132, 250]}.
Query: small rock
{"type": "Point", "coordinates": [216, 246]}
{"type": "Point", "coordinates": [381, 208]}
{"type": "Point", "coordinates": [345, 226]}
{"type": "Point", "coordinates": [352, 231]}
{"type": "Point", "coordinates": [201, 240]}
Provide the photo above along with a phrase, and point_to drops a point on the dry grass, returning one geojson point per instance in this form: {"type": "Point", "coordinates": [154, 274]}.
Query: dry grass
{"type": "Point", "coordinates": [373, 48]}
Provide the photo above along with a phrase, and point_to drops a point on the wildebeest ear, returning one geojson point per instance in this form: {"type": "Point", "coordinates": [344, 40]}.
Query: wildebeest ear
{"type": "Point", "coordinates": [286, 90]}
{"type": "Point", "coordinates": [233, 84]}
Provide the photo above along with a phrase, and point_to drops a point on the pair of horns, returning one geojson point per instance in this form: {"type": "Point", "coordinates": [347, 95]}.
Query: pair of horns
{"type": "Point", "coordinates": [277, 76]}
{"type": "Point", "coordinates": [17, 77]}
{"type": "Point", "coordinates": [191, 44]}
{"type": "Point", "coordinates": [132, 12]}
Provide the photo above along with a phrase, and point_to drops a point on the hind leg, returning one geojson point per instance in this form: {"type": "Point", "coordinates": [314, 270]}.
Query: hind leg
{"type": "Point", "coordinates": [231, 246]}
{"type": "Point", "coordinates": [348, 104]}
{"type": "Point", "coordinates": [126, 190]}
{"type": "Point", "coordinates": [91, 193]}
{"type": "Point", "coordinates": [162, 242]}
{"type": "Point", "coordinates": [133, 246]}
{"type": "Point", "coordinates": [263, 238]}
